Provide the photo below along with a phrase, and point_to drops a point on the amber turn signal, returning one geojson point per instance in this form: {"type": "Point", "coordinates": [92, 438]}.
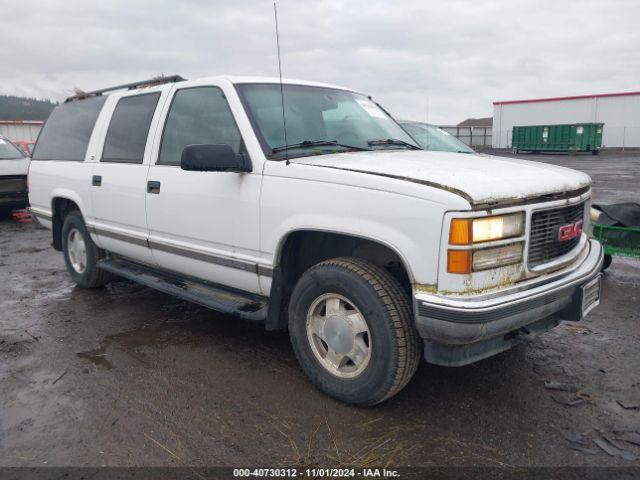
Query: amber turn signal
{"type": "Point", "coordinates": [459, 261]}
{"type": "Point", "coordinates": [460, 231]}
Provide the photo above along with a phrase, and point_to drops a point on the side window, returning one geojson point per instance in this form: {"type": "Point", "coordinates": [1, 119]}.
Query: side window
{"type": "Point", "coordinates": [199, 115]}
{"type": "Point", "coordinates": [66, 134]}
{"type": "Point", "coordinates": [129, 128]}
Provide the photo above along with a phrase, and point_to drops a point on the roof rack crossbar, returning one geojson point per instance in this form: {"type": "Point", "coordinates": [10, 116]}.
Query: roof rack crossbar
{"type": "Point", "coordinates": [128, 86]}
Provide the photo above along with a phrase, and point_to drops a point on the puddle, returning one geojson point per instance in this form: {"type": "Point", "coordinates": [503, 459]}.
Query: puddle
{"type": "Point", "coordinates": [98, 357]}
{"type": "Point", "coordinates": [130, 343]}
{"type": "Point", "coordinates": [193, 329]}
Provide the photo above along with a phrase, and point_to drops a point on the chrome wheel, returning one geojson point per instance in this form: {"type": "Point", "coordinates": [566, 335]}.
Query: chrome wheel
{"type": "Point", "coordinates": [77, 250]}
{"type": "Point", "coordinates": [338, 335]}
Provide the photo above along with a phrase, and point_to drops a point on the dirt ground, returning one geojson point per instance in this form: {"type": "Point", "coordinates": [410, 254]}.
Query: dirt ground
{"type": "Point", "coordinates": [126, 376]}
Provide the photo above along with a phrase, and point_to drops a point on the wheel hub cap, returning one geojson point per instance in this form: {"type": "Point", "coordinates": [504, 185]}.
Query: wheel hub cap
{"type": "Point", "coordinates": [338, 335]}
{"type": "Point", "coordinates": [77, 251]}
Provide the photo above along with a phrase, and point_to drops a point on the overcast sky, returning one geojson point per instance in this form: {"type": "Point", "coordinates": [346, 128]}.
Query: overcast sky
{"type": "Point", "coordinates": [446, 59]}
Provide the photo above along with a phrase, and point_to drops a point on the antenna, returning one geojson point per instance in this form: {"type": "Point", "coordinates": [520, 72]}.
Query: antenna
{"type": "Point", "coordinates": [284, 120]}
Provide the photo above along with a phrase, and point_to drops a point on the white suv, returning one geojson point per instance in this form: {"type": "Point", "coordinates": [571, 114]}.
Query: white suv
{"type": "Point", "coordinates": [370, 250]}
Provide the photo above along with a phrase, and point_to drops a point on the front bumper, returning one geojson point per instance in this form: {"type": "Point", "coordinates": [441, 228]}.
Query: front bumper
{"type": "Point", "coordinates": [462, 330]}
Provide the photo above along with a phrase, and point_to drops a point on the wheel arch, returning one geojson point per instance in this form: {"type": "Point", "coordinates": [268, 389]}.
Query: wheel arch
{"type": "Point", "coordinates": [292, 235]}
{"type": "Point", "coordinates": [61, 205]}
{"type": "Point", "coordinates": [320, 245]}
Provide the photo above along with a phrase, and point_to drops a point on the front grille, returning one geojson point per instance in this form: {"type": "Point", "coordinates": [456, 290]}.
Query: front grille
{"type": "Point", "coordinates": [544, 245]}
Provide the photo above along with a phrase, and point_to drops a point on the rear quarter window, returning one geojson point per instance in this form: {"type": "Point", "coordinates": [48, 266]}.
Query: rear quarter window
{"type": "Point", "coordinates": [66, 134]}
{"type": "Point", "coordinates": [129, 127]}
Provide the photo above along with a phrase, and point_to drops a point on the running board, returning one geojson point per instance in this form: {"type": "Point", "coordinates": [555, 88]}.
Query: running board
{"type": "Point", "coordinates": [245, 305]}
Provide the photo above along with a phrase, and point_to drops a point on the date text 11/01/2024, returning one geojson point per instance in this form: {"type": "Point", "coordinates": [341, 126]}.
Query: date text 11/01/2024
{"type": "Point", "coordinates": [315, 473]}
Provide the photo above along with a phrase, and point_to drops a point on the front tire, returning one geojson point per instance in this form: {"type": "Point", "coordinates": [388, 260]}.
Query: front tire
{"type": "Point", "coordinates": [81, 255]}
{"type": "Point", "coordinates": [351, 327]}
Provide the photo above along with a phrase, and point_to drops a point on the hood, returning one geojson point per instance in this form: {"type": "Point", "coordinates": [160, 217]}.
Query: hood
{"type": "Point", "coordinates": [19, 166]}
{"type": "Point", "coordinates": [483, 180]}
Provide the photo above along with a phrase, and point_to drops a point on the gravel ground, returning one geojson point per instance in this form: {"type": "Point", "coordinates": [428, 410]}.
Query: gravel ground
{"type": "Point", "coordinates": [126, 376]}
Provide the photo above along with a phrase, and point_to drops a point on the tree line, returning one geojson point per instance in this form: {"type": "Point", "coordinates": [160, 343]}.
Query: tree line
{"type": "Point", "coordinates": [24, 108]}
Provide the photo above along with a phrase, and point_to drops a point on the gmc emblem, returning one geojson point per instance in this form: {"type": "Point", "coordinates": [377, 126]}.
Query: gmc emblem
{"type": "Point", "coordinates": [572, 230]}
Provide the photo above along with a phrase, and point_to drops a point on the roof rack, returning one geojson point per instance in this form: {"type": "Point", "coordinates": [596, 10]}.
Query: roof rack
{"type": "Point", "coordinates": [80, 95]}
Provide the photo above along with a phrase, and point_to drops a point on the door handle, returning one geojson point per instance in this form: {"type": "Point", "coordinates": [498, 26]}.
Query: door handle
{"type": "Point", "coordinates": [96, 181]}
{"type": "Point", "coordinates": [153, 187]}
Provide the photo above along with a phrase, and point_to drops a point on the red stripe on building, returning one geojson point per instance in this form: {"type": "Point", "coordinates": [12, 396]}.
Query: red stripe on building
{"type": "Point", "coordinates": [573, 97]}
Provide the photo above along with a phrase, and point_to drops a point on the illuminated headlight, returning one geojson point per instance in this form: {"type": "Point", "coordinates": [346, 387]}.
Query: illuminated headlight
{"type": "Point", "coordinates": [474, 231]}
{"type": "Point", "coordinates": [465, 231]}
{"type": "Point", "coordinates": [496, 228]}
{"type": "Point", "coordinates": [487, 258]}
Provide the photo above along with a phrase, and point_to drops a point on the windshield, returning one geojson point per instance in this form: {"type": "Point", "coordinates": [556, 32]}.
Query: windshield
{"type": "Point", "coordinates": [319, 121]}
{"type": "Point", "coordinates": [434, 138]}
{"type": "Point", "coordinates": [8, 151]}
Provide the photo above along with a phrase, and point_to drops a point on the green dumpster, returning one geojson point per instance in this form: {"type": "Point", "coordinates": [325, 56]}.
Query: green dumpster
{"type": "Point", "coordinates": [570, 138]}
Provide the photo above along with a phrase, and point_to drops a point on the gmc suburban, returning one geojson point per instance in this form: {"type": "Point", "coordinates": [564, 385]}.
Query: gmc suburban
{"type": "Point", "coordinates": [307, 206]}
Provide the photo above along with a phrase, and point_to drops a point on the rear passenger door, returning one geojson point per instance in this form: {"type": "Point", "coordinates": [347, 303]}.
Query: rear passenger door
{"type": "Point", "coordinates": [119, 177]}
{"type": "Point", "coordinates": [61, 163]}
{"type": "Point", "coordinates": [203, 224]}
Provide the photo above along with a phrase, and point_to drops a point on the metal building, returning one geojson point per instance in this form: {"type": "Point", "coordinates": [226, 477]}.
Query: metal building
{"type": "Point", "coordinates": [20, 129]}
{"type": "Point", "coordinates": [475, 136]}
{"type": "Point", "coordinates": [620, 113]}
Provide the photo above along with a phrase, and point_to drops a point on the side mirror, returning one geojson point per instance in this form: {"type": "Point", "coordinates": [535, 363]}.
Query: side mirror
{"type": "Point", "coordinates": [213, 158]}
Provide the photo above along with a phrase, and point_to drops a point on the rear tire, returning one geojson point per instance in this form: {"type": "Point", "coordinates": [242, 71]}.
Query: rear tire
{"type": "Point", "coordinates": [607, 262]}
{"type": "Point", "coordinates": [81, 255]}
{"type": "Point", "coordinates": [359, 297]}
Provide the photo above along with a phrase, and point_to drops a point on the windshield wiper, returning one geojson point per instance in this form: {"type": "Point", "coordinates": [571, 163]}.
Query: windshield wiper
{"type": "Point", "coordinates": [314, 143]}
{"type": "Point", "coordinates": [393, 141]}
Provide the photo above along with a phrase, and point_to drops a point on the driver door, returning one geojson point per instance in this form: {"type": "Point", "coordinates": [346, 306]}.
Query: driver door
{"type": "Point", "coordinates": [203, 224]}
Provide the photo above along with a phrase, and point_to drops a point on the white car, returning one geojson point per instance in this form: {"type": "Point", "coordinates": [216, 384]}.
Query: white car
{"type": "Point", "coordinates": [14, 165]}
{"type": "Point", "coordinates": [370, 250]}
{"type": "Point", "coordinates": [431, 137]}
